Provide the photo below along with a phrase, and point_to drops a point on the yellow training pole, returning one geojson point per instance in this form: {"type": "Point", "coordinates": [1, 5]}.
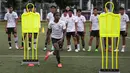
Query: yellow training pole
{"type": "Point", "coordinates": [117, 53]}
{"type": "Point", "coordinates": [32, 46]}
{"type": "Point", "coordinates": [106, 44]}
{"type": "Point", "coordinates": [106, 52]}
{"type": "Point", "coordinates": [102, 53]}
{"type": "Point", "coordinates": [27, 47]}
{"type": "Point", "coordinates": [36, 46]}
{"type": "Point", "coordinates": [112, 53]}
{"type": "Point", "coordinates": [112, 42]}
{"type": "Point", "coordinates": [25, 54]}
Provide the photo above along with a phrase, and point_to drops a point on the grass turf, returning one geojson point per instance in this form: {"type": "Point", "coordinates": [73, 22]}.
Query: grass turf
{"type": "Point", "coordinates": [84, 62]}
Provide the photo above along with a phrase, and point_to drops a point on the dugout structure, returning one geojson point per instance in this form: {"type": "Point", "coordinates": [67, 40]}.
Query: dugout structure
{"type": "Point", "coordinates": [109, 24]}
{"type": "Point", "coordinates": [30, 26]}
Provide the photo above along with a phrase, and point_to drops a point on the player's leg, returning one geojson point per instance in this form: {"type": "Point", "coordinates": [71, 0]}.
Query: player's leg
{"type": "Point", "coordinates": [97, 41]}
{"type": "Point", "coordinates": [35, 40]}
{"type": "Point", "coordinates": [68, 37]}
{"type": "Point", "coordinates": [83, 42]}
{"type": "Point", "coordinates": [78, 41]}
{"type": "Point", "coordinates": [30, 40]}
{"type": "Point", "coordinates": [55, 52]}
{"type": "Point", "coordinates": [105, 43]}
{"type": "Point", "coordinates": [61, 45]}
{"type": "Point", "coordinates": [109, 43]}
{"type": "Point", "coordinates": [23, 38]}
{"type": "Point", "coordinates": [75, 41]}
{"type": "Point", "coordinates": [90, 40]}
{"type": "Point", "coordinates": [117, 42]}
{"type": "Point", "coordinates": [15, 39]}
{"type": "Point", "coordinates": [123, 41]}
{"type": "Point", "coordinates": [46, 41]}
{"type": "Point", "coordinates": [8, 31]}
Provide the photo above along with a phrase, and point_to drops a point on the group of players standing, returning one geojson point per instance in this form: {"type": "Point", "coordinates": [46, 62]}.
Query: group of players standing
{"type": "Point", "coordinates": [68, 25]}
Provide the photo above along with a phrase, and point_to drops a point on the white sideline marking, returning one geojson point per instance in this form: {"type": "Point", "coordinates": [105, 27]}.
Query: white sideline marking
{"type": "Point", "coordinates": [94, 57]}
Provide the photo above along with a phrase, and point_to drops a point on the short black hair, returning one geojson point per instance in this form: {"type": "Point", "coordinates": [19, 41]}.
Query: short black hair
{"type": "Point", "coordinates": [64, 11]}
{"type": "Point", "coordinates": [53, 6]}
{"type": "Point", "coordinates": [71, 11]}
{"type": "Point", "coordinates": [55, 13]}
{"type": "Point", "coordinates": [9, 6]}
{"type": "Point", "coordinates": [79, 10]}
{"type": "Point", "coordinates": [121, 8]}
{"type": "Point", "coordinates": [95, 8]}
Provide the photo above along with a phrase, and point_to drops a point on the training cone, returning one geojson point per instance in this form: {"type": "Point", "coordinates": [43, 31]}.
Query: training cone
{"type": "Point", "coordinates": [42, 29]}
{"type": "Point", "coordinates": [30, 65]}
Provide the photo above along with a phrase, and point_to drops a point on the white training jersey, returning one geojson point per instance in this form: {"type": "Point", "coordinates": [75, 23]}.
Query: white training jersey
{"type": "Point", "coordinates": [11, 19]}
{"type": "Point", "coordinates": [81, 20]}
{"type": "Point", "coordinates": [50, 16]}
{"type": "Point", "coordinates": [57, 29]}
{"type": "Point", "coordinates": [124, 20]}
{"type": "Point", "coordinates": [94, 20]}
{"type": "Point", "coordinates": [63, 18]}
{"type": "Point", "coordinates": [71, 23]}
{"type": "Point", "coordinates": [103, 12]}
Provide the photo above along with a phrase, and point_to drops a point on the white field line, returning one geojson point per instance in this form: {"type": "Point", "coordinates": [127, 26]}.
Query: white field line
{"type": "Point", "coordinates": [94, 57]}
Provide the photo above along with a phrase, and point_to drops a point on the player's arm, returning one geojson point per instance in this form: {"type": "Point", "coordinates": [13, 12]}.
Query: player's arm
{"type": "Point", "coordinates": [5, 19]}
{"type": "Point", "coordinates": [47, 18]}
{"type": "Point", "coordinates": [64, 30]}
{"type": "Point", "coordinates": [90, 29]}
{"type": "Point", "coordinates": [84, 25]}
{"type": "Point", "coordinates": [49, 30]}
{"type": "Point", "coordinates": [16, 21]}
{"type": "Point", "coordinates": [76, 25]}
{"type": "Point", "coordinates": [49, 33]}
{"type": "Point", "coordinates": [84, 28]}
{"type": "Point", "coordinates": [127, 20]}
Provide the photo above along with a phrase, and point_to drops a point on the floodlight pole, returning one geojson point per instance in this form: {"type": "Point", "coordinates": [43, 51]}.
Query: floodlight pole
{"type": "Point", "coordinates": [0, 5]}
{"type": "Point", "coordinates": [81, 2]}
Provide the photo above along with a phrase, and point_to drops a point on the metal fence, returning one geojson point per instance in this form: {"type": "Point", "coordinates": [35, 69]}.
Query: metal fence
{"type": "Point", "coordinates": [83, 4]}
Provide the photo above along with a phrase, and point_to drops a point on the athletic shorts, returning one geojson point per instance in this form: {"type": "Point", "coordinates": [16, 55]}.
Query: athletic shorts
{"type": "Point", "coordinates": [80, 33]}
{"type": "Point", "coordinates": [94, 33]}
{"type": "Point", "coordinates": [123, 33]}
{"type": "Point", "coordinates": [69, 34]}
{"type": "Point", "coordinates": [10, 30]}
{"type": "Point", "coordinates": [55, 41]}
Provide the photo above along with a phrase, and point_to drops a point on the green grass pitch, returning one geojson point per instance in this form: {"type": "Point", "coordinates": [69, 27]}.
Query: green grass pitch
{"type": "Point", "coordinates": [82, 62]}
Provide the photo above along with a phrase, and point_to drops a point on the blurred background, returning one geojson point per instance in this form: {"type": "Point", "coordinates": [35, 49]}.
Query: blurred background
{"type": "Point", "coordinates": [43, 6]}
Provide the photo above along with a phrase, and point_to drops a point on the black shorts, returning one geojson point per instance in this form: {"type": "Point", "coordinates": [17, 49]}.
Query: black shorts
{"type": "Point", "coordinates": [10, 30]}
{"type": "Point", "coordinates": [80, 33]}
{"type": "Point", "coordinates": [55, 41]}
{"type": "Point", "coordinates": [94, 33]}
{"type": "Point", "coordinates": [69, 34]}
{"type": "Point", "coordinates": [123, 33]}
